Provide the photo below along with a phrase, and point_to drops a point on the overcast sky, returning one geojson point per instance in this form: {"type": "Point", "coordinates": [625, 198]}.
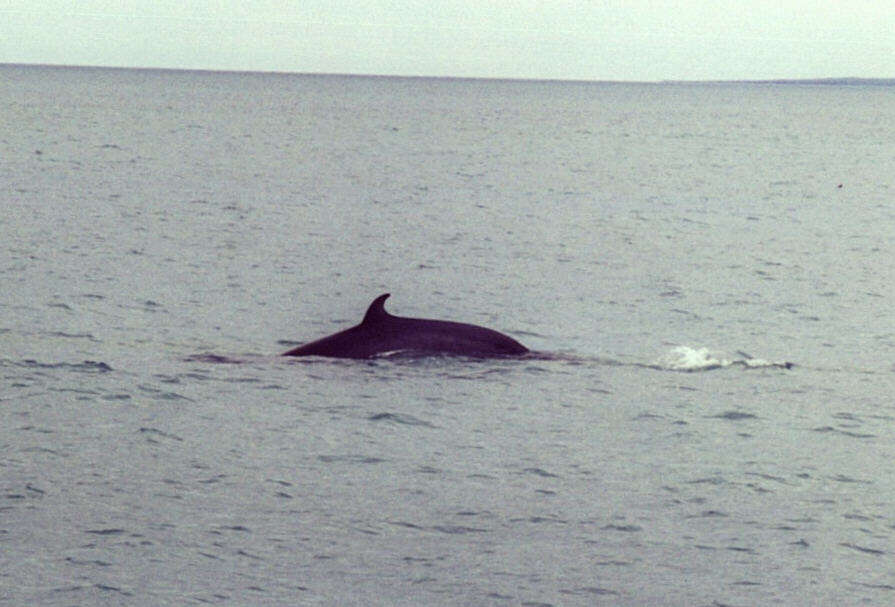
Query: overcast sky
{"type": "Point", "coordinates": [590, 40]}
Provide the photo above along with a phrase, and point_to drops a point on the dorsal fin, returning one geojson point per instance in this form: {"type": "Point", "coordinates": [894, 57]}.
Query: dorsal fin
{"type": "Point", "coordinates": [376, 312]}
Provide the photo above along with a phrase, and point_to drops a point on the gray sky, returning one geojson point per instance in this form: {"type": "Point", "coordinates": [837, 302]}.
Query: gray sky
{"type": "Point", "coordinates": [608, 40]}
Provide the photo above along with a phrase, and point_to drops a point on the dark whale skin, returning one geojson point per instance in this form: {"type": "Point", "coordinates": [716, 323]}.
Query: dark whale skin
{"type": "Point", "coordinates": [380, 332]}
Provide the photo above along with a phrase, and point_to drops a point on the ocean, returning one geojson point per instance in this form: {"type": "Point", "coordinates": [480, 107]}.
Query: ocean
{"type": "Point", "coordinates": [701, 268]}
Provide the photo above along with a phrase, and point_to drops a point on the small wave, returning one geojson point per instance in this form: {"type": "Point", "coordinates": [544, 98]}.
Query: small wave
{"type": "Point", "coordinates": [152, 434]}
{"type": "Point", "coordinates": [863, 549]}
{"type": "Point", "coordinates": [349, 459]}
{"type": "Point", "coordinates": [106, 531]}
{"type": "Point", "coordinates": [832, 430]}
{"type": "Point", "coordinates": [208, 357]}
{"type": "Point", "coordinates": [458, 529]}
{"type": "Point", "coordinates": [735, 415]}
{"type": "Point", "coordinates": [540, 472]}
{"type": "Point", "coordinates": [161, 394]}
{"type": "Point", "coordinates": [88, 366]}
{"type": "Point", "coordinates": [88, 336]}
{"type": "Point", "coordinates": [399, 418]}
{"type": "Point", "coordinates": [624, 528]}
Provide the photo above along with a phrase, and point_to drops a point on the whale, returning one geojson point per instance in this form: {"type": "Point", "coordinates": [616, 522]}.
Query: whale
{"type": "Point", "coordinates": [382, 333]}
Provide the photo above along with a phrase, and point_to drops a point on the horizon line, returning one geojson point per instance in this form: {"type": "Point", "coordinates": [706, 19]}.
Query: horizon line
{"type": "Point", "coordinates": [829, 80]}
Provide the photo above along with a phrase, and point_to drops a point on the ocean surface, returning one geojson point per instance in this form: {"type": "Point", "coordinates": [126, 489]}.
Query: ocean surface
{"type": "Point", "coordinates": [705, 270]}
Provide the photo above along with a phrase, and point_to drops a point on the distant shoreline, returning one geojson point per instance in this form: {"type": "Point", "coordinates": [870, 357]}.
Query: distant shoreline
{"type": "Point", "coordinates": [817, 81]}
{"type": "Point", "coordinates": [842, 81]}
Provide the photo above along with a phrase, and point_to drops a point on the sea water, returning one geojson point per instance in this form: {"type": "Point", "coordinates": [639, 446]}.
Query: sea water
{"type": "Point", "coordinates": [705, 270]}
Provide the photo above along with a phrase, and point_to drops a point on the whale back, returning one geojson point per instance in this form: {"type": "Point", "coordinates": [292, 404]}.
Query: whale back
{"type": "Point", "coordinates": [380, 332]}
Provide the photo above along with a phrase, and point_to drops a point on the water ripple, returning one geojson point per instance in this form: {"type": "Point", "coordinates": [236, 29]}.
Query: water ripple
{"type": "Point", "coordinates": [399, 418]}
{"type": "Point", "coordinates": [349, 459]}
{"type": "Point", "coordinates": [863, 549]}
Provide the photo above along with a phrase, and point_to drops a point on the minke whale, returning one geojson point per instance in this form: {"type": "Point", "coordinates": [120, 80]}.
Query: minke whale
{"type": "Point", "coordinates": [380, 332]}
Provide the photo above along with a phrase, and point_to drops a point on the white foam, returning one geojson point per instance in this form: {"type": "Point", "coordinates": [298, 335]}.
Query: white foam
{"type": "Point", "coordinates": [685, 358]}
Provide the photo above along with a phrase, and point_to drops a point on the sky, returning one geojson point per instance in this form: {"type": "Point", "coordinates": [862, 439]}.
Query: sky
{"type": "Point", "coordinates": [628, 40]}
